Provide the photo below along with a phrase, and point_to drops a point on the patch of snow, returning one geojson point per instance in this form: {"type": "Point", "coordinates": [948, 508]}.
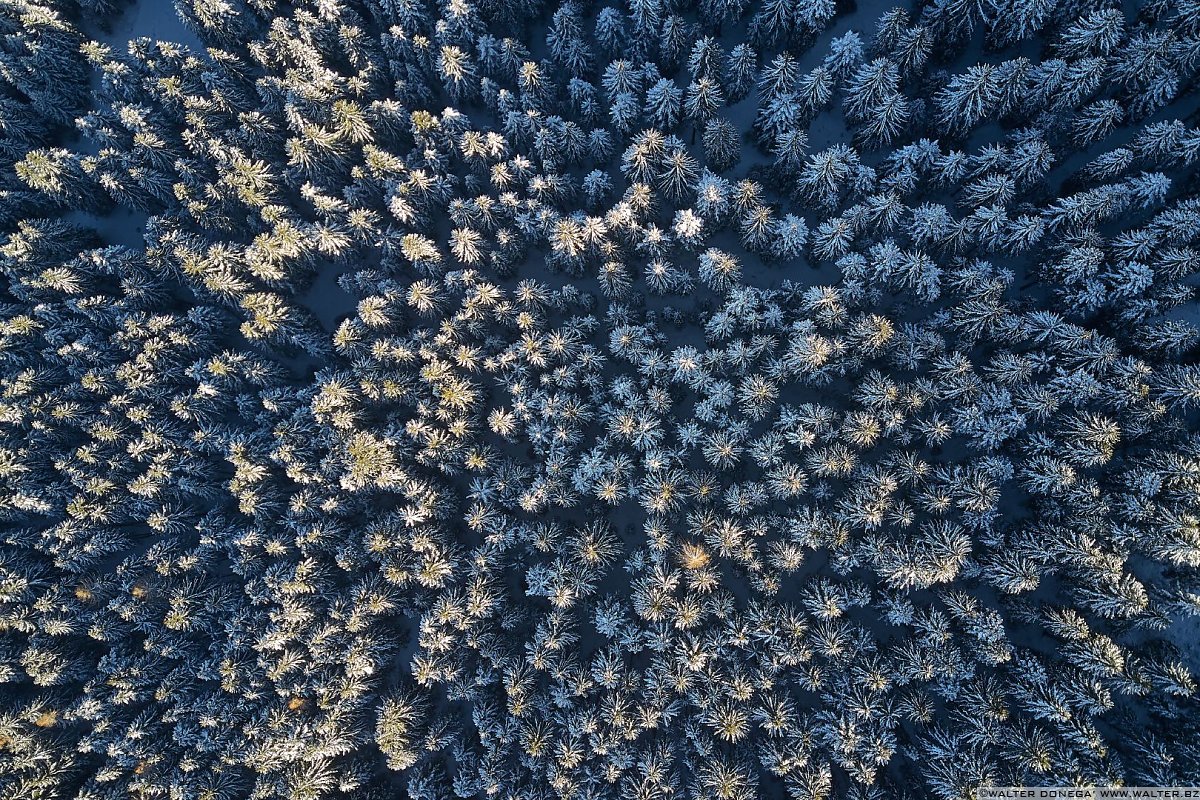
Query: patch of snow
{"type": "Point", "coordinates": [326, 299]}
{"type": "Point", "coordinates": [155, 19]}
{"type": "Point", "coordinates": [118, 226]}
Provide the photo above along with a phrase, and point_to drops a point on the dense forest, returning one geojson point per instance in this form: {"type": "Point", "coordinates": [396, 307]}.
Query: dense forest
{"type": "Point", "coordinates": [630, 399]}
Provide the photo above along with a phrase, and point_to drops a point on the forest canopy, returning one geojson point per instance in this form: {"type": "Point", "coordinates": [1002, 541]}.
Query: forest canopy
{"type": "Point", "coordinates": [638, 399]}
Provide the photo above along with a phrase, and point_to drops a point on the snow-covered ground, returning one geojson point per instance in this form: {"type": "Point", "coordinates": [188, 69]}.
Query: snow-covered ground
{"type": "Point", "coordinates": [156, 19]}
